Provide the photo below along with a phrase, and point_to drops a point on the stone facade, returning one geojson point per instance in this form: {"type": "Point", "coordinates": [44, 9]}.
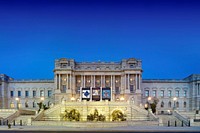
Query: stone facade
{"type": "Point", "coordinates": [123, 79]}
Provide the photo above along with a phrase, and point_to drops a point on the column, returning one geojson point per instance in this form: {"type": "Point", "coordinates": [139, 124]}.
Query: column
{"type": "Point", "coordinates": [139, 82]}
{"type": "Point", "coordinates": [125, 82]}
{"type": "Point", "coordinates": [67, 87]}
{"type": "Point", "coordinates": [81, 80]}
{"type": "Point", "coordinates": [128, 81]}
{"type": "Point", "coordinates": [114, 80]}
{"type": "Point", "coordinates": [84, 81]}
{"type": "Point", "coordinates": [59, 82]}
{"type": "Point", "coordinates": [111, 82]}
{"type": "Point", "coordinates": [136, 82]}
{"type": "Point", "coordinates": [56, 81]}
{"type": "Point", "coordinates": [94, 81]}
{"type": "Point", "coordinates": [121, 84]}
{"type": "Point", "coordinates": [91, 81]}
{"type": "Point", "coordinates": [70, 82]}
{"type": "Point", "coordinates": [101, 81]}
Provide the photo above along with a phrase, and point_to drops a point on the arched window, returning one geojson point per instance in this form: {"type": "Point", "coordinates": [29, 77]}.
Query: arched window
{"type": "Point", "coordinates": [34, 104]}
{"type": "Point", "coordinates": [184, 104]}
{"type": "Point", "coordinates": [162, 104]}
{"type": "Point", "coordinates": [26, 104]}
{"type": "Point", "coordinates": [170, 104]}
{"type": "Point", "coordinates": [177, 104]}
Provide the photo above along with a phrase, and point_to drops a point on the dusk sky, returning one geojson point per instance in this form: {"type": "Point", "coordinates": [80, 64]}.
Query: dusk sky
{"type": "Point", "coordinates": [164, 34]}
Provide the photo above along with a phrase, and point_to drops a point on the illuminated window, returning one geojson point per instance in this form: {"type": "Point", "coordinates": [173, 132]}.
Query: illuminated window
{"type": "Point", "coordinates": [169, 93]}
{"type": "Point", "coordinates": [41, 93]}
{"type": "Point", "coordinates": [154, 93]}
{"type": "Point", "coordinates": [177, 93]}
{"type": "Point", "coordinates": [146, 93]}
{"type": "Point", "coordinates": [162, 93]}
{"type": "Point", "coordinates": [185, 93]}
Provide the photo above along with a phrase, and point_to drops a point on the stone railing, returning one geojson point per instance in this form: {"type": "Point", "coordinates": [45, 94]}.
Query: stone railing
{"type": "Point", "coordinates": [12, 117]}
{"type": "Point", "coordinates": [39, 116]}
{"type": "Point", "coordinates": [181, 118]}
{"type": "Point", "coordinates": [152, 116]}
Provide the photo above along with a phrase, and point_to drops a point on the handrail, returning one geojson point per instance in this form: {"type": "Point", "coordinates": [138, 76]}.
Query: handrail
{"type": "Point", "coordinates": [181, 118]}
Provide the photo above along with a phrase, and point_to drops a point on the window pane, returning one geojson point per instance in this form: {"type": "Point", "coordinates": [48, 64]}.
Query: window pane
{"type": "Point", "coordinates": [49, 93]}
{"type": "Point", "coordinates": [169, 93]}
{"type": "Point", "coordinates": [11, 93]}
{"type": "Point", "coordinates": [34, 93]}
{"type": "Point", "coordinates": [41, 93]}
{"type": "Point", "coordinates": [154, 93]}
{"type": "Point", "coordinates": [19, 93]}
{"type": "Point", "coordinates": [26, 93]}
{"type": "Point", "coordinates": [162, 93]}
{"type": "Point", "coordinates": [147, 93]}
{"type": "Point", "coordinates": [177, 93]}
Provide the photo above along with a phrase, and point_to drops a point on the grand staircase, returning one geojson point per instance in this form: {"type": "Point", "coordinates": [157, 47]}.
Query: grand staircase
{"type": "Point", "coordinates": [4, 113]}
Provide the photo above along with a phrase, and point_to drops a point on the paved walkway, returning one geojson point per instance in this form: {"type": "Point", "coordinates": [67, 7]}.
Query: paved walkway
{"type": "Point", "coordinates": [116, 129]}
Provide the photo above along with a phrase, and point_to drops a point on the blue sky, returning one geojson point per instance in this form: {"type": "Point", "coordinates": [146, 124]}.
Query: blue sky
{"type": "Point", "coordinates": [164, 34]}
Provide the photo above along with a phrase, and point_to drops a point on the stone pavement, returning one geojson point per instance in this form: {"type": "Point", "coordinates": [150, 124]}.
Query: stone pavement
{"type": "Point", "coordinates": [116, 129]}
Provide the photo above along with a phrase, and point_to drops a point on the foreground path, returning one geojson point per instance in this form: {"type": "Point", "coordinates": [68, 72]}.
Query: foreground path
{"type": "Point", "coordinates": [54, 129]}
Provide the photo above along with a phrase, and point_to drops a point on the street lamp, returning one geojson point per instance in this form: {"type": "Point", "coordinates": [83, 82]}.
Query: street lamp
{"type": "Point", "coordinates": [42, 99]}
{"type": "Point", "coordinates": [174, 99]}
{"type": "Point", "coordinates": [149, 99]}
{"type": "Point", "coordinates": [17, 99]}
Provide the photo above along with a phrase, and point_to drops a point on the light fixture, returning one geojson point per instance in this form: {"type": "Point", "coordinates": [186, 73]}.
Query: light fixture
{"type": "Point", "coordinates": [131, 79]}
{"type": "Point", "coordinates": [72, 98]}
{"type": "Point", "coordinates": [122, 99]}
{"type": "Point", "coordinates": [116, 81]}
{"type": "Point", "coordinates": [17, 99]}
{"type": "Point", "coordinates": [42, 98]}
{"type": "Point", "coordinates": [149, 98]}
{"type": "Point", "coordinates": [79, 81]}
{"type": "Point", "coordinates": [88, 81]}
{"type": "Point", "coordinates": [107, 81]}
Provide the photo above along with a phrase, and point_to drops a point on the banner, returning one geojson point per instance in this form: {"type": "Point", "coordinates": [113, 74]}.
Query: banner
{"type": "Point", "coordinates": [86, 94]}
{"type": "Point", "coordinates": [96, 94]}
{"type": "Point", "coordinates": [106, 94]}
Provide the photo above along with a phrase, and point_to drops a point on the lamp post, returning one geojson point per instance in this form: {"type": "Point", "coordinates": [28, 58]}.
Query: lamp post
{"type": "Point", "coordinates": [17, 99]}
{"type": "Point", "coordinates": [149, 108]}
{"type": "Point", "coordinates": [149, 99]}
{"type": "Point", "coordinates": [174, 99]}
{"type": "Point", "coordinates": [42, 99]}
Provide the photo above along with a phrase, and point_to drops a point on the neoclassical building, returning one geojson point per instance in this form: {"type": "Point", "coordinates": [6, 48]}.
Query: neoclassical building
{"type": "Point", "coordinates": [96, 82]}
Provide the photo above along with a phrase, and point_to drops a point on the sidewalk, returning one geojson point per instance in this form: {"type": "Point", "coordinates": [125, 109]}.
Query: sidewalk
{"type": "Point", "coordinates": [117, 129]}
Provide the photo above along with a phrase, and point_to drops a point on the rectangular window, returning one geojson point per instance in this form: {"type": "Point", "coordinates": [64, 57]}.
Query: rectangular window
{"type": "Point", "coordinates": [41, 93]}
{"type": "Point", "coordinates": [146, 93]}
{"type": "Point", "coordinates": [154, 93]}
{"type": "Point", "coordinates": [26, 93]}
{"type": "Point", "coordinates": [162, 93]}
{"type": "Point", "coordinates": [11, 94]}
{"type": "Point", "coordinates": [19, 93]}
{"type": "Point", "coordinates": [177, 93]}
{"type": "Point", "coordinates": [169, 93]}
{"type": "Point", "coordinates": [131, 88]}
{"type": "Point", "coordinates": [117, 90]}
{"type": "Point", "coordinates": [34, 93]}
{"type": "Point", "coordinates": [185, 93]}
{"type": "Point", "coordinates": [34, 104]}
{"type": "Point", "coordinates": [49, 93]}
